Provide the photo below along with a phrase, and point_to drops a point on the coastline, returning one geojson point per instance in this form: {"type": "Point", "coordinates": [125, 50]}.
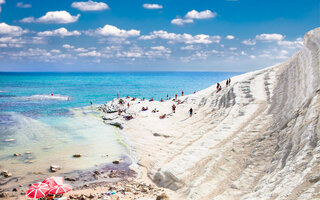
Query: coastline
{"type": "Point", "coordinates": [255, 139]}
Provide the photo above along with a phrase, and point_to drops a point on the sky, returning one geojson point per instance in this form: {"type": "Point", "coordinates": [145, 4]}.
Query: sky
{"type": "Point", "coordinates": [152, 35]}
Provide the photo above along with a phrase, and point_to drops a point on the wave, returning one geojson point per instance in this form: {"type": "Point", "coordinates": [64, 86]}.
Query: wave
{"type": "Point", "coordinates": [46, 97]}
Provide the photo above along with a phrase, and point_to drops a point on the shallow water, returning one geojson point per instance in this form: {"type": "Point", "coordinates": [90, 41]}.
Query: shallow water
{"type": "Point", "coordinates": [54, 127]}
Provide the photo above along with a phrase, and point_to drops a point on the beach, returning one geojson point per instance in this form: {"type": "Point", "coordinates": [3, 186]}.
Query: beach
{"type": "Point", "coordinates": [255, 139]}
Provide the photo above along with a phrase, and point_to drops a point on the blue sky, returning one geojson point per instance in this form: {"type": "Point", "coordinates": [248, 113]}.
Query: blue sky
{"type": "Point", "coordinates": [155, 35]}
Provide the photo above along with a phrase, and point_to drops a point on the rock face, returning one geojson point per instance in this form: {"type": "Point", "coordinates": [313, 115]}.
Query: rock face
{"type": "Point", "coordinates": [256, 139]}
{"type": "Point", "coordinates": [111, 107]}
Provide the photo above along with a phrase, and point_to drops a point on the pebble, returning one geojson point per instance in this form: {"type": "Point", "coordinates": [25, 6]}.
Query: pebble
{"type": "Point", "coordinates": [116, 162]}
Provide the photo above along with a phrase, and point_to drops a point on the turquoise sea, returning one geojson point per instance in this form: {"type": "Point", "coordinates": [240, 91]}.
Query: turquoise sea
{"type": "Point", "coordinates": [48, 129]}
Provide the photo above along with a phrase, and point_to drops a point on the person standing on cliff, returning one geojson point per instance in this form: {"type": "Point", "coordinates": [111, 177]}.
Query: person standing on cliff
{"type": "Point", "coordinates": [182, 93]}
{"type": "Point", "coordinates": [174, 108]}
{"type": "Point", "coordinates": [190, 111]}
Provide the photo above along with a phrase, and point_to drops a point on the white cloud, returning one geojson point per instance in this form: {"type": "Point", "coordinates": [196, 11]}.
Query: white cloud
{"type": "Point", "coordinates": [109, 30]}
{"type": "Point", "coordinates": [233, 48]}
{"type": "Point", "coordinates": [6, 29]}
{"type": "Point", "coordinates": [229, 37]}
{"type": "Point", "coordinates": [53, 17]}
{"type": "Point", "coordinates": [55, 51]}
{"type": "Point", "coordinates": [291, 44]}
{"type": "Point", "coordinates": [269, 37]}
{"type": "Point", "coordinates": [90, 6]}
{"type": "Point", "coordinates": [158, 51]}
{"type": "Point", "coordinates": [193, 14]}
{"type": "Point", "coordinates": [249, 42]}
{"type": "Point", "coordinates": [2, 2]}
{"type": "Point", "coordinates": [22, 5]}
{"type": "Point", "coordinates": [252, 57]}
{"type": "Point", "coordinates": [152, 6]}
{"type": "Point", "coordinates": [91, 54]}
{"type": "Point", "coordinates": [179, 21]}
{"type": "Point", "coordinates": [206, 14]}
{"type": "Point", "coordinates": [61, 32]}
{"type": "Point", "coordinates": [67, 46]}
{"type": "Point", "coordinates": [189, 47]}
{"type": "Point", "coordinates": [80, 50]}
{"type": "Point", "coordinates": [11, 42]}
{"type": "Point", "coordinates": [183, 38]}
{"type": "Point", "coordinates": [243, 53]}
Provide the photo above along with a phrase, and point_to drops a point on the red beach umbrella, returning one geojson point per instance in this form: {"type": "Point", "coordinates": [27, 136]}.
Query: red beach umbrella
{"type": "Point", "coordinates": [38, 190]}
{"type": "Point", "coordinates": [53, 181]}
{"type": "Point", "coordinates": [60, 189]}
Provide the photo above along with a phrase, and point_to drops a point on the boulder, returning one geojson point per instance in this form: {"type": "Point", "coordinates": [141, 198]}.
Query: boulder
{"type": "Point", "coordinates": [6, 173]}
{"type": "Point", "coordinates": [54, 168]}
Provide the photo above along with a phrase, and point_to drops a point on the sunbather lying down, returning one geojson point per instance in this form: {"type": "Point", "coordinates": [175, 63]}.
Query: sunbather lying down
{"type": "Point", "coordinates": [163, 116]}
{"type": "Point", "coordinates": [144, 108]}
{"type": "Point", "coordinates": [128, 117]}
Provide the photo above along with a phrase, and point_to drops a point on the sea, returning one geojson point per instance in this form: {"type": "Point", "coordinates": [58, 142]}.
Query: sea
{"type": "Point", "coordinates": [45, 118]}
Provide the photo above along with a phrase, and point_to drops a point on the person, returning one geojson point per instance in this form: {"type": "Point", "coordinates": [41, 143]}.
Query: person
{"type": "Point", "coordinates": [68, 98]}
{"type": "Point", "coordinates": [51, 94]}
{"type": "Point", "coordinates": [219, 89]}
{"type": "Point", "coordinates": [119, 112]}
{"type": "Point", "coordinates": [161, 100]}
{"type": "Point", "coordinates": [190, 111]}
{"type": "Point", "coordinates": [143, 99]}
{"type": "Point", "coordinates": [118, 95]}
{"type": "Point", "coordinates": [227, 83]}
{"type": "Point", "coordinates": [163, 116]}
{"type": "Point", "coordinates": [128, 117]}
{"type": "Point", "coordinates": [144, 108]}
{"type": "Point", "coordinates": [194, 92]}
{"type": "Point", "coordinates": [133, 99]}
{"type": "Point", "coordinates": [174, 108]}
{"type": "Point", "coordinates": [154, 110]}
{"type": "Point", "coordinates": [182, 93]}
{"type": "Point", "coordinates": [151, 99]}
{"type": "Point", "coordinates": [128, 104]}
{"type": "Point", "coordinates": [218, 85]}
{"type": "Point", "coordinates": [91, 102]}
{"type": "Point", "coordinates": [50, 197]}
{"type": "Point", "coordinates": [176, 96]}
{"type": "Point", "coordinates": [167, 96]}
{"type": "Point", "coordinates": [121, 101]}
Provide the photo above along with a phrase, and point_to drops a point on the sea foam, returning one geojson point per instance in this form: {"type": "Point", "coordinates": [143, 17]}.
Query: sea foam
{"type": "Point", "coordinates": [46, 97]}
